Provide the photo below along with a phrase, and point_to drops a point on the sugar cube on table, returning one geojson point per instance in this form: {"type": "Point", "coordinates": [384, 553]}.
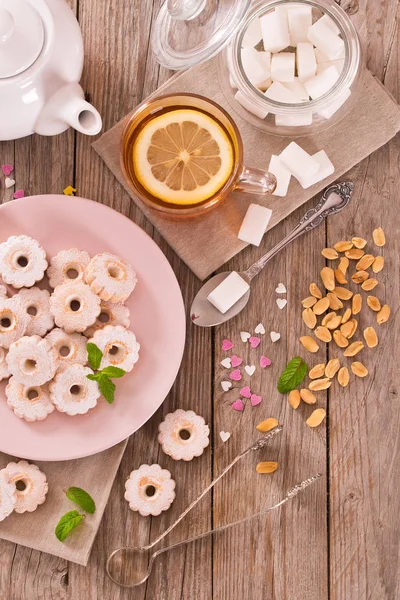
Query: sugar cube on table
{"type": "Point", "coordinates": [329, 22]}
{"type": "Point", "coordinates": [275, 30]}
{"type": "Point", "coordinates": [283, 176]}
{"type": "Point", "coordinates": [250, 106]}
{"type": "Point", "coordinates": [257, 66]}
{"type": "Point", "coordinates": [294, 120]}
{"type": "Point", "coordinates": [325, 40]}
{"type": "Point", "coordinates": [254, 224]}
{"type": "Point", "coordinates": [298, 89]}
{"type": "Point", "coordinates": [280, 93]}
{"type": "Point", "coordinates": [299, 19]}
{"type": "Point", "coordinates": [283, 65]}
{"type": "Point", "coordinates": [306, 61]}
{"type": "Point", "coordinates": [253, 34]}
{"type": "Point", "coordinates": [333, 107]}
{"type": "Point", "coordinates": [338, 64]}
{"type": "Point", "coordinates": [300, 164]}
{"type": "Point", "coordinates": [320, 84]}
{"type": "Point", "coordinates": [326, 168]}
{"type": "Point", "coordinates": [228, 292]}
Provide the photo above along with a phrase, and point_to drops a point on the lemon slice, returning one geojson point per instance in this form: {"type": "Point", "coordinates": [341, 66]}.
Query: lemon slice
{"type": "Point", "coordinates": [183, 157]}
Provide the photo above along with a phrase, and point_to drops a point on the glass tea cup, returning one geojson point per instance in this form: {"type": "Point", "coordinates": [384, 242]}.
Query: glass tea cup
{"type": "Point", "coordinates": [240, 178]}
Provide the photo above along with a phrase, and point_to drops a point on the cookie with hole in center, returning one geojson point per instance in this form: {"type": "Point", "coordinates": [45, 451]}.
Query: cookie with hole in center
{"type": "Point", "coordinates": [22, 261]}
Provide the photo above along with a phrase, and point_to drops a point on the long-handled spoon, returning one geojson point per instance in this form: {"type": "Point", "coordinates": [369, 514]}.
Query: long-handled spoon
{"type": "Point", "coordinates": [203, 313]}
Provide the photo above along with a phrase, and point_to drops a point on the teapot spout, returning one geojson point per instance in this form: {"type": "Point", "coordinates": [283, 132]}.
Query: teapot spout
{"type": "Point", "coordinates": [68, 108]}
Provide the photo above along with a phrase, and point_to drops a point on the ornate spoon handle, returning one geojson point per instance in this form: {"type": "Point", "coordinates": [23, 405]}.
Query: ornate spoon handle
{"type": "Point", "coordinates": [335, 198]}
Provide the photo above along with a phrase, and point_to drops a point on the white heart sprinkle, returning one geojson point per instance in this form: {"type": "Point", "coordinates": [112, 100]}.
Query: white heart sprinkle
{"type": "Point", "coordinates": [224, 435]}
{"type": "Point", "coordinates": [275, 336]}
{"type": "Point", "coordinates": [9, 182]}
{"type": "Point", "coordinates": [244, 336]}
{"type": "Point", "coordinates": [227, 363]}
{"type": "Point", "coordinates": [250, 369]}
{"type": "Point", "coordinates": [226, 385]}
{"type": "Point", "coordinates": [260, 329]}
{"type": "Point", "coordinates": [281, 302]}
{"type": "Point", "coordinates": [280, 289]}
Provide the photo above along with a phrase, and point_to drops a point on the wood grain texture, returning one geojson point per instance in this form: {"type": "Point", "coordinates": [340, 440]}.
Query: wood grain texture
{"type": "Point", "coordinates": [340, 546]}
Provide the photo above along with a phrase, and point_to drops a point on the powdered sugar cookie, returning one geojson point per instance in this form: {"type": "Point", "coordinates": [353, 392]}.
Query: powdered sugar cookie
{"type": "Point", "coordinates": [4, 372]}
{"type": "Point", "coordinates": [36, 304]}
{"type": "Point", "coordinates": [7, 496]}
{"type": "Point", "coordinates": [74, 306]}
{"type": "Point", "coordinates": [67, 266]}
{"type": "Point", "coordinates": [31, 485]}
{"type": "Point", "coordinates": [110, 277]}
{"type": "Point", "coordinates": [119, 347]}
{"type": "Point", "coordinates": [32, 360]}
{"type": "Point", "coordinates": [183, 435]}
{"type": "Point", "coordinates": [70, 347]}
{"type": "Point", "coordinates": [22, 261]}
{"type": "Point", "coordinates": [150, 490]}
{"type": "Point", "coordinates": [72, 392]}
{"type": "Point", "coordinates": [13, 321]}
{"type": "Point", "coordinates": [31, 403]}
{"type": "Point", "coordinates": [111, 313]}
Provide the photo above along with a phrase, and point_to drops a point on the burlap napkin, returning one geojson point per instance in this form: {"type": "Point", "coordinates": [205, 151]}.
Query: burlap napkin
{"type": "Point", "coordinates": [95, 474]}
{"type": "Point", "coordinates": [208, 242]}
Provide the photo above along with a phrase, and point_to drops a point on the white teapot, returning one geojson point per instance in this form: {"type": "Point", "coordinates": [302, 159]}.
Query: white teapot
{"type": "Point", "coordinates": [41, 61]}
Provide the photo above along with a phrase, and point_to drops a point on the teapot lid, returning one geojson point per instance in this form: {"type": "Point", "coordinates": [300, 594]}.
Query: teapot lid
{"type": "Point", "coordinates": [21, 37]}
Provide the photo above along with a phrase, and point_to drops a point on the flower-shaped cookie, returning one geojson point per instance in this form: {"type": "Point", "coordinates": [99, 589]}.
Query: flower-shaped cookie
{"type": "Point", "coordinates": [67, 266]}
{"type": "Point", "coordinates": [110, 277]}
{"type": "Point", "coordinates": [28, 402]}
{"type": "Point", "coordinates": [22, 261]}
{"type": "Point", "coordinates": [119, 346]}
{"type": "Point", "coordinates": [13, 321]}
{"type": "Point", "coordinates": [150, 490]}
{"type": "Point", "coordinates": [4, 372]}
{"type": "Point", "coordinates": [74, 306]}
{"type": "Point", "coordinates": [183, 435]}
{"type": "Point", "coordinates": [31, 485]}
{"type": "Point", "coordinates": [72, 392]}
{"type": "Point", "coordinates": [32, 360]}
{"type": "Point", "coordinates": [36, 303]}
{"type": "Point", "coordinates": [111, 313]}
{"type": "Point", "coordinates": [70, 347]}
{"type": "Point", "coordinates": [7, 496]}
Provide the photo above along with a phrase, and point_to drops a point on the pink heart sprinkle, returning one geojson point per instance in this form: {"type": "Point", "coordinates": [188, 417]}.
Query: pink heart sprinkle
{"type": "Point", "coordinates": [19, 194]}
{"type": "Point", "coordinates": [238, 405]}
{"type": "Point", "coordinates": [7, 169]}
{"type": "Point", "coordinates": [254, 341]}
{"type": "Point", "coordinates": [235, 361]}
{"type": "Point", "coordinates": [264, 362]}
{"type": "Point", "coordinates": [255, 399]}
{"type": "Point", "coordinates": [245, 392]}
{"type": "Point", "coordinates": [235, 375]}
{"type": "Point", "coordinates": [227, 345]}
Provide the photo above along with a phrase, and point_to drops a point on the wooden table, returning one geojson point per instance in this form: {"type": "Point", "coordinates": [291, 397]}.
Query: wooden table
{"type": "Point", "coordinates": [340, 539]}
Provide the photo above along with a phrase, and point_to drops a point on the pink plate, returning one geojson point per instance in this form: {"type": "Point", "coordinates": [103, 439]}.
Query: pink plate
{"type": "Point", "coordinates": [157, 319]}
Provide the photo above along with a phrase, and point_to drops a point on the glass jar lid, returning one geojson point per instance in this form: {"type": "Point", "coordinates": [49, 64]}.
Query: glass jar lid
{"type": "Point", "coordinates": [188, 32]}
{"type": "Point", "coordinates": [21, 37]}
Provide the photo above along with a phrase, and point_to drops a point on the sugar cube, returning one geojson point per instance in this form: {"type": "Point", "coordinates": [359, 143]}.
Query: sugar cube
{"type": "Point", "coordinates": [283, 176]}
{"type": "Point", "coordinates": [338, 64]}
{"type": "Point", "coordinates": [326, 168]}
{"type": "Point", "coordinates": [261, 113]}
{"type": "Point", "coordinates": [325, 40]}
{"type": "Point", "coordinates": [321, 58]}
{"type": "Point", "coordinates": [278, 92]}
{"type": "Point", "coordinates": [294, 120]}
{"type": "Point", "coordinates": [228, 292]}
{"type": "Point", "coordinates": [300, 19]}
{"type": "Point", "coordinates": [306, 62]}
{"type": "Point", "coordinates": [254, 224]}
{"type": "Point", "coordinates": [329, 22]}
{"type": "Point", "coordinates": [282, 66]}
{"type": "Point", "coordinates": [320, 84]}
{"type": "Point", "coordinates": [275, 30]}
{"type": "Point", "coordinates": [332, 108]}
{"type": "Point", "coordinates": [298, 89]}
{"type": "Point", "coordinates": [253, 34]}
{"type": "Point", "coordinates": [299, 162]}
{"type": "Point", "coordinates": [257, 66]}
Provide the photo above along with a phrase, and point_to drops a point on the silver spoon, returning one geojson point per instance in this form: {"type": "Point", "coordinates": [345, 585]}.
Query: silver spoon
{"type": "Point", "coordinates": [335, 198]}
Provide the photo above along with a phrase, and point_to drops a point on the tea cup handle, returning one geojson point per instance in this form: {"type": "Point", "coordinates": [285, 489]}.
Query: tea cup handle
{"type": "Point", "coordinates": [256, 181]}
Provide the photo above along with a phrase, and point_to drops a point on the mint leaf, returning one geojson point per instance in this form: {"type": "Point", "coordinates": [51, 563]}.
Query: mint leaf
{"type": "Point", "coordinates": [94, 356]}
{"type": "Point", "coordinates": [293, 375]}
{"type": "Point", "coordinates": [113, 372]}
{"type": "Point", "coordinates": [67, 523]}
{"type": "Point", "coordinates": [94, 376]}
{"type": "Point", "coordinates": [107, 388]}
{"type": "Point", "coordinates": [82, 499]}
